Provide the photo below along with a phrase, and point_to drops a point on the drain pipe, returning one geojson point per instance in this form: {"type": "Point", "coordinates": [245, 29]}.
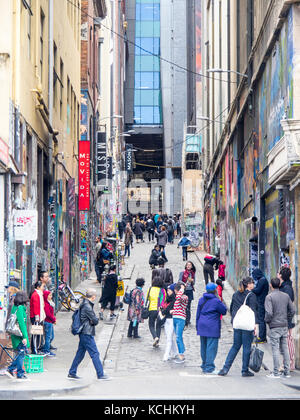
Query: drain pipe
{"type": "Point", "coordinates": [50, 94]}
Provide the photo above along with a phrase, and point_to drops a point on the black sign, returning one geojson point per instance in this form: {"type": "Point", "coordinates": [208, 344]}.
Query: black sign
{"type": "Point", "coordinates": [128, 158]}
{"type": "Point", "coordinates": [101, 159]}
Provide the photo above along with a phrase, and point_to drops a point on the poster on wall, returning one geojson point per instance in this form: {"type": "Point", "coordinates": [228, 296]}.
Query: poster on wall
{"type": "Point", "coordinates": [84, 176]}
{"type": "Point", "coordinates": [26, 225]}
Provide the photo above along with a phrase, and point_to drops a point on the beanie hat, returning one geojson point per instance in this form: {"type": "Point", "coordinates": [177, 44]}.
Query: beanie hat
{"type": "Point", "coordinates": [211, 287]}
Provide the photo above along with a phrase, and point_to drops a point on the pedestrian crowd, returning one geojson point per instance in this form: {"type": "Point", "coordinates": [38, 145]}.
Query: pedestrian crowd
{"type": "Point", "coordinates": [259, 310]}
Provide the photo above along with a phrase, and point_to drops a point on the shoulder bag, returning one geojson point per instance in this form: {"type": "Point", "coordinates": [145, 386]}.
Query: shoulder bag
{"type": "Point", "coordinates": [145, 310]}
{"type": "Point", "coordinates": [12, 327]}
{"type": "Point", "coordinates": [244, 318]}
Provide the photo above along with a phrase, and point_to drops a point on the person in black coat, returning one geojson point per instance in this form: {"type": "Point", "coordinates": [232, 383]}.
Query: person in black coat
{"type": "Point", "coordinates": [210, 264]}
{"type": "Point", "coordinates": [109, 292]}
{"type": "Point", "coordinates": [261, 291]}
{"type": "Point", "coordinates": [242, 337]}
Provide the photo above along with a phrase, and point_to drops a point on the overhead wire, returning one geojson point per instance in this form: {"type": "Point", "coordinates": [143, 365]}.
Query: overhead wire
{"type": "Point", "coordinates": [150, 52]}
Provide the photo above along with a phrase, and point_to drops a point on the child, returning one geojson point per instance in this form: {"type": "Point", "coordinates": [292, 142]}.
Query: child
{"type": "Point", "coordinates": [184, 242]}
{"type": "Point", "coordinates": [221, 271]}
{"type": "Point", "coordinates": [50, 320]}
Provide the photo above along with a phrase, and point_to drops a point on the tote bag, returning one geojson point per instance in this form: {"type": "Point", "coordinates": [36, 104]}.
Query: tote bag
{"type": "Point", "coordinates": [244, 318]}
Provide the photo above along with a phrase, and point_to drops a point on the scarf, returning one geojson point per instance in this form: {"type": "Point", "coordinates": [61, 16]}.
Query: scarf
{"type": "Point", "coordinates": [187, 274]}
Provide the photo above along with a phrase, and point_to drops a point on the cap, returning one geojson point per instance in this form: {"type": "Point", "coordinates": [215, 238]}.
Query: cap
{"type": "Point", "coordinates": [12, 283]}
{"type": "Point", "coordinates": [211, 287]}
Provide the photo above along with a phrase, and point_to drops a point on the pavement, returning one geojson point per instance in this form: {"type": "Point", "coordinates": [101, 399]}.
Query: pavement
{"type": "Point", "coordinates": [136, 368]}
{"type": "Point", "coordinates": [53, 380]}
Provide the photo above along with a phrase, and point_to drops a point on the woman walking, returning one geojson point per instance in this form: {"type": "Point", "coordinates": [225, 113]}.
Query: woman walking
{"type": "Point", "coordinates": [179, 316]}
{"type": "Point", "coordinates": [208, 322]}
{"type": "Point", "coordinates": [127, 239]}
{"type": "Point", "coordinates": [135, 309]}
{"type": "Point", "coordinates": [188, 277]}
{"type": "Point", "coordinates": [242, 337]}
{"type": "Point", "coordinates": [156, 295]}
{"type": "Point", "coordinates": [167, 312]}
{"type": "Point", "coordinates": [19, 344]}
{"type": "Point", "coordinates": [162, 238]}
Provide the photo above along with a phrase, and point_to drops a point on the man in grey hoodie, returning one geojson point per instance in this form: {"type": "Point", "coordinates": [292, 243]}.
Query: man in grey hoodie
{"type": "Point", "coordinates": [279, 313]}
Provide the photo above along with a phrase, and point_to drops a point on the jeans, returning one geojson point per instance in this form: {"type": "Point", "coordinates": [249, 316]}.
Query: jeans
{"type": "Point", "coordinates": [154, 324]}
{"type": "Point", "coordinates": [98, 272]}
{"type": "Point", "coordinates": [240, 338]}
{"type": "Point", "coordinates": [127, 250]}
{"type": "Point", "coordinates": [179, 325]}
{"type": "Point", "coordinates": [209, 349]}
{"type": "Point", "coordinates": [171, 348]}
{"type": "Point", "coordinates": [278, 339]}
{"type": "Point", "coordinates": [87, 344]}
{"type": "Point", "coordinates": [18, 361]}
{"type": "Point", "coordinates": [261, 322]}
{"type": "Point", "coordinates": [184, 252]}
{"type": "Point", "coordinates": [49, 336]}
{"type": "Point", "coordinates": [133, 329]}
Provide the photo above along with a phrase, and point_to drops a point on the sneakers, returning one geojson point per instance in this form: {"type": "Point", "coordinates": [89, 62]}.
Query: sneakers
{"type": "Point", "coordinates": [75, 377]}
{"type": "Point", "coordinates": [112, 316]}
{"type": "Point", "coordinates": [22, 378]}
{"type": "Point", "coordinates": [223, 372]}
{"type": "Point", "coordinates": [156, 342]}
{"type": "Point", "coordinates": [104, 378]}
{"type": "Point", "coordinates": [247, 374]}
{"type": "Point", "coordinates": [101, 316]}
{"type": "Point", "coordinates": [214, 372]}
{"type": "Point", "coordinates": [261, 340]}
{"type": "Point", "coordinates": [10, 374]}
{"type": "Point", "coordinates": [274, 376]}
{"type": "Point", "coordinates": [179, 360]}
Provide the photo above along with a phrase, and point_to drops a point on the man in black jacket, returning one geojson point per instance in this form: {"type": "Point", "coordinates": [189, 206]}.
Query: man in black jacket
{"type": "Point", "coordinates": [261, 290]}
{"type": "Point", "coordinates": [87, 342]}
{"type": "Point", "coordinates": [109, 292]}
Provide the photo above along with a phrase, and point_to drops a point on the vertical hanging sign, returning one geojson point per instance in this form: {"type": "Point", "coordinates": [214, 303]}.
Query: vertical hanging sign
{"type": "Point", "coordinates": [84, 176]}
{"type": "Point", "coordinates": [101, 163]}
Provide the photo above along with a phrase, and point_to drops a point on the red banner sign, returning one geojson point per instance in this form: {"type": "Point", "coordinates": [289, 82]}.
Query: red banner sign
{"type": "Point", "coordinates": [84, 176]}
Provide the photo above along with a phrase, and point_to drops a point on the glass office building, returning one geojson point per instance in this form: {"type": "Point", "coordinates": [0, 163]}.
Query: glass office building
{"type": "Point", "coordinates": [147, 85]}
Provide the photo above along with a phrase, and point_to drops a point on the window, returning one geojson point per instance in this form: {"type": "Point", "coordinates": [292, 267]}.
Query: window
{"type": "Point", "coordinates": [29, 29]}
{"type": "Point", "coordinates": [42, 29]}
{"type": "Point", "coordinates": [147, 95]}
{"type": "Point", "coordinates": [61, 89]}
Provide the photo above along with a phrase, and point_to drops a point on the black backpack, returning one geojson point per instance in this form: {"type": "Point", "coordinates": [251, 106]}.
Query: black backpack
{"type": "Point", "coordinates": [76, 326]}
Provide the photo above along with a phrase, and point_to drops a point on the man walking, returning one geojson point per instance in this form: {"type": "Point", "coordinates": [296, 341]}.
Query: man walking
{"type": "Point", "coordinates": [279, 312]}
{"type": "Point", "coordinates": [87, 342]}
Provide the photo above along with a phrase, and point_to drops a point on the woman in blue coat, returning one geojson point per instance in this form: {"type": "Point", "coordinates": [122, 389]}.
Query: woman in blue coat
{"type": "Point", "coordinates": [208, 323]}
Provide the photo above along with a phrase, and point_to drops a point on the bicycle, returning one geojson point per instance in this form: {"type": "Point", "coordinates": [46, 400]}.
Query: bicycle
{"type": "Point", "coordinates": [70, 300]}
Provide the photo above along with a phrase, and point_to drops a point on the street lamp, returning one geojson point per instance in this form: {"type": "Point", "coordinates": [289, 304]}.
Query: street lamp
{"type": "Point", "coordinates": [111, 117]}
{"type": "Point", "coordinates": [226, 71]}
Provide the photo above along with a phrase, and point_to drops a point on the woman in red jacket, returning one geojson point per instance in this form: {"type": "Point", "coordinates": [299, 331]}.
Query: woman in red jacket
{"type": "Point", "coordinates": [37, 313]}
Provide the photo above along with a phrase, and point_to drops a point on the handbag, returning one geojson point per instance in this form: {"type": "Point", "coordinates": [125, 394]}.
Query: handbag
{"type": "Point", "coordinates": [244, 318]}
{"type": "Point", "coordinates": [145, 310]}
{"type": "Point", "coordinates": [12, 326]}
{"type": "Point", "coordinates": [256, 359]}
{"type": "Point", "coordinates": [37, 329]}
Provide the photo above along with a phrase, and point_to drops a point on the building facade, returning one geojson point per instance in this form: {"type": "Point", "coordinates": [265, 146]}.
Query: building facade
{"type": "Point", "coordinates": [159, 97]}
{"type": "Point", "coordinates": [39, 127]}
{"type": "Point", "coordinates": [251, 151]}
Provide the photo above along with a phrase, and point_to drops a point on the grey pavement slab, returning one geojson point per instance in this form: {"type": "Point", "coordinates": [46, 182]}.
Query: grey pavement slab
{"type": "Point", "coordinates": [138, 371]}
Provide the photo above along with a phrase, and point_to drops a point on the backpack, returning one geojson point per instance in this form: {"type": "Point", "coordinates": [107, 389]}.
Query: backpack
{"type": "Point", "coordinates": [76, 326]}
{"type": "Point", "coordinates": [127, 298]}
